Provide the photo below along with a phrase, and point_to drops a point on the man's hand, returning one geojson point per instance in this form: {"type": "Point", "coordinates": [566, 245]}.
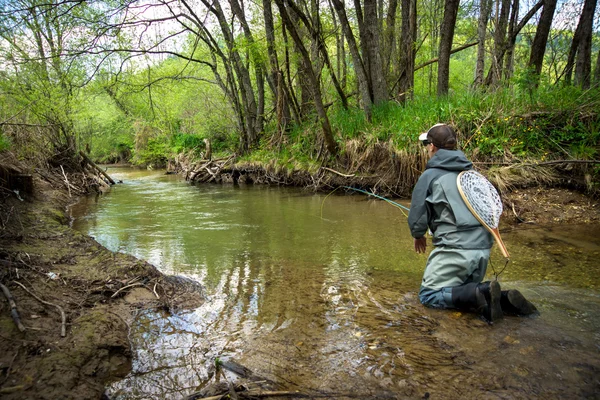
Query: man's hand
{"type": "Point", "coordinates": [420, 244]}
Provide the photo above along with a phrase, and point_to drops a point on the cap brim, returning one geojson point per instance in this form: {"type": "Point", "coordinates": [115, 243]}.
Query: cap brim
{"type": "Point", "coordinates": [423, 136]}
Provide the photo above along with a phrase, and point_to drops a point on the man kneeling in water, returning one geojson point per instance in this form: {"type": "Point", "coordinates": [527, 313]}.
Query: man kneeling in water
{"type": "Point", "coordinates": [457, 264]}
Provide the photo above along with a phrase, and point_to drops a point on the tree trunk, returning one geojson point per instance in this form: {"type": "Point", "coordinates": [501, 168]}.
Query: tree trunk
{"type": "Point", "coordinates": [248, 100]}
{"type": "Point", "coordinates": [446, 36]}
{"type": "Point", "coordinates": [538, 47]}
{"type": "Point", "coordinates": [484, 15]}
{"type": "Point", "coordinates": [372, 48]}
{"type": "Point", "coordinates": [313, 82]}
{"type": "Point", "coordinates": [389, 38]}
{"type": "Point", "coordinates": [294, 106]}
{"type": "Point", "coordinates": [583, 65]}
{"type": "Point", "coordinates": [259, 67]}
{"type": "Point", "coordinates": [495, 72]}
{"type": "Point", "coordinates": [359, 67]}
{"type": "Point", "coordinates": [321, 48]}
{"type": "Point", "coordinates": [510, 44]}
{"type": "Point", "coordinates": [406, 80]}
{"type": "Point", "coordinates": [279, 94]}
{"type": "Point", "coordinates": [513, 38]}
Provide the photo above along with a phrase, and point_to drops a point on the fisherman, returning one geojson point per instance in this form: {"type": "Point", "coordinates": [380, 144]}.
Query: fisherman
{"type": "Point", "coordinates": [458, 263]}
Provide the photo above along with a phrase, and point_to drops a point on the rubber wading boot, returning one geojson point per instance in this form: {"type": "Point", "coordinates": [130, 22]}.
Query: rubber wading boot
{"type": "Point", "coordinates": [514, 303]}
{"type": "Point", "coordinates": [492, 293]}
{"type": "Point", "coordinates": [483, 298]}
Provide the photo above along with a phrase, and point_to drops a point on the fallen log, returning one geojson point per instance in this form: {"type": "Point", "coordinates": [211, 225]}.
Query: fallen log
{"type": "Point", "coordinates": [13, 307]}
{"type": "Point", "coordinates": [97, 168]}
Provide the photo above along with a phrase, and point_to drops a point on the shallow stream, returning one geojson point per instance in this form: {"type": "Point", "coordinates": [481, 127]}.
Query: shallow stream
{"type": "Point", "coordinates": [318, 293]}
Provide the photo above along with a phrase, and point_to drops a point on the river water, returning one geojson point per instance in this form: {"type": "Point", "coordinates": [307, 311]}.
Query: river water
{"type": "Point", "coordinates": [318, 293]}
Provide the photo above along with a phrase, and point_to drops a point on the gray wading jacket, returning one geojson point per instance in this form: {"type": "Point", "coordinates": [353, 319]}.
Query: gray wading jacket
{"type": "Point", "coordinates": [436, 204]}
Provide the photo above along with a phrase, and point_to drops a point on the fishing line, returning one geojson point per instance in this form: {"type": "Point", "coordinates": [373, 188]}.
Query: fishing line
{"type": "Point", "coordinates": [323, 202]}
{"type": "Point", "coordinates": [400, 206]}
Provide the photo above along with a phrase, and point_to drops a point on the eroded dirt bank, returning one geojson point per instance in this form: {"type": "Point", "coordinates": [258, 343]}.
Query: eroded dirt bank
{"type": "Point", "coordinates": [41, 258]}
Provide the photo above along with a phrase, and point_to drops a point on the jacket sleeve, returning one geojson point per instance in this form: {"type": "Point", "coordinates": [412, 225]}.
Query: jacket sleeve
{"type": "Point", "coordinates": [419, 215]}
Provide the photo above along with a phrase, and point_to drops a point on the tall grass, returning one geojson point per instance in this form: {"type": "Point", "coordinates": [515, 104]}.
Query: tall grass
{"type": "Point", "coordinates": [503, 125]}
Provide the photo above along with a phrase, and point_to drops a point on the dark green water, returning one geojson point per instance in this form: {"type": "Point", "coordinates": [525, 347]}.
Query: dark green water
{"type": "Point", "coordinates": [319, 293]}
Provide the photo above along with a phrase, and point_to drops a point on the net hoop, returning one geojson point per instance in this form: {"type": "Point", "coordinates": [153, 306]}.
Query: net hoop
{"type": "Point", "coordinates": [484, 202]}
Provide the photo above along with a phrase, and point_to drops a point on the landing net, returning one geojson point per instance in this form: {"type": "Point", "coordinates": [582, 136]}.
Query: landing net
{"type": "Point", "coordinates": [482, 196]}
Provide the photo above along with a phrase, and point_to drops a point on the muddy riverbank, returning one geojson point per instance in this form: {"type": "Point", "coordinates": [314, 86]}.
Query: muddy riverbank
{"type": "Point", "coordinates": [100, 292]}
{"type": "Point", "coordinates": [51, 269]}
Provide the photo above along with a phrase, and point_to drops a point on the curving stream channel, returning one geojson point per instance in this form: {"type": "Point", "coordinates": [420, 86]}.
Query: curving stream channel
{"type": "Point", "coordinates": [318, 293]}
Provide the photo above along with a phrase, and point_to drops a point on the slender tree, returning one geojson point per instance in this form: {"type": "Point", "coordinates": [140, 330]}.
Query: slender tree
{"type": "Point", "coordinates": [406, 80]}
{"type": "Point", "coordinates": [359, 66]}
{"type": "Point", "coordinates": [389, 37]}
{"type": "Point", "coordinates": [538, 47]}
{"type": "Point", "coordinates": [580, 52]}
{"type": "Point", "coordinates": [446, 37]}
{"type": "Point", "coordinates": [372, 48]}
{"type": "Point", "coordinates": [313, 81]}
{"type": "Point", "coordinates": [280, 92]}
{"type": "Point", "coordinates": [501, 23]}
{"type": "Point", "coordinates": [485, 8]}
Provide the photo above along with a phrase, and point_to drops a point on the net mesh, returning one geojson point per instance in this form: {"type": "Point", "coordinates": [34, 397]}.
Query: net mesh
{"type": "Point", "coordinates": [482, 196]}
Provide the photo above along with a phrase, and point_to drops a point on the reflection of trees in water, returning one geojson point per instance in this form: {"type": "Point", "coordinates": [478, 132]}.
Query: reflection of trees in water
{"type": "Point", "coordinates": [175, 354]}
{"type": "Point", "coordinates": [171, 358]}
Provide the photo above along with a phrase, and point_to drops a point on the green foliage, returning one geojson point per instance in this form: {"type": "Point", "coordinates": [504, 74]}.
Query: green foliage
{"type": "Point", "coordinates": [154, 153]}
{"type": "Point", "coordinates": [4, 143]}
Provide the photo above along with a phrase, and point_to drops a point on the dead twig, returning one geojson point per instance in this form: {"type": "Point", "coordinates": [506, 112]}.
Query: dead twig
{"type": "Point", "coordinates": [66, 180]}
{"type": "Point", "coordinates": [339, 173]}
{"type": "Point", "coordinates": [63, 329]}
{"type": "Point", "coordinates": [13, 307]}
{"type": "Point", "coordinates": [125, 287]}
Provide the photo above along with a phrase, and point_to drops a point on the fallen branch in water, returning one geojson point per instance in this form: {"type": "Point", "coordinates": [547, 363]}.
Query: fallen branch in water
{"type": "Point", "coordinates": [13, 307]}
{"type": "Point", "coordinates": [209, 171]}
{"type": "Point", "coordinates": [63, 329]}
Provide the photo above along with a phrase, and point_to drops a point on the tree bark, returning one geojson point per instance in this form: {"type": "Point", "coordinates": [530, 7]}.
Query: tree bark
{"type": "Point", "coordinates": [484, 16]}
{"type": "Point", "coordinates": [538, 47]}
{"type": "Point", "coordinates": [406, 80]}
{"type": "Point", "coordinates": [513, 38]}
{"type": "Point", "coordinates": [279, 93]}
{"type": "Point", "coordinates": [446, 37]}
{"type": "Point", "coordinates": [389, 38]}
{"type": "Point", "coordinates": [580, 52]}
{"type": "Point", "coordinates": [372, 48]}
{"type": "Point", "coordinates": [495, 72]}
{"type": "Point", "coordinates": [510, 44]}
